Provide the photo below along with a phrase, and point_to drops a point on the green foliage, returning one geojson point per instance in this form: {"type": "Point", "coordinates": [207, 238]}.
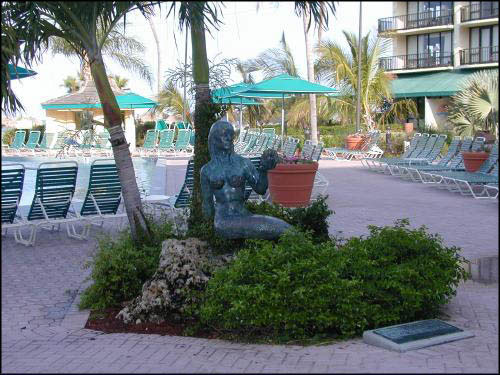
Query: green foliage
{"type": "Point", "coordinates": [313, 218]}
{"type": "Point", "coordinates": [204, 229]}
{"type": "Point", "coordinates": [8, 136]}
{"type": "Point", "coordinates": [296, 289]}
{"type": "Point", "coordinates": [120, 267]}
{"type": "Point", "coordinates": [141, 129]}
{"type": "Point", "coordinates": [40, 128]}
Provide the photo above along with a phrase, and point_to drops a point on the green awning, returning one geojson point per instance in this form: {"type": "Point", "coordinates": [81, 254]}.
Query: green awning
{"type": "Point", "coordinates": [239, 89]}
{"type": "Point", "coordinates": [126, 101]}
{"type": "Point", "coordinates": [17, 72]}
{"type": "Point", "coordinates": [429, 84]}
{"type": "Point", "coordinates": [287, 84]}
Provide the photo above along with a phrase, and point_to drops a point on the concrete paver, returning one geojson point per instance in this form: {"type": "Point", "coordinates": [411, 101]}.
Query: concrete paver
{"type": "Point", "coordinates": [42, 329]}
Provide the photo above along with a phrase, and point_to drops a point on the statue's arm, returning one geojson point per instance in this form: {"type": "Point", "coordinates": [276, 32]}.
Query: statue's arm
{"type": "Point", "coordinates": [206, 195]}
{"type": "Point", "coordinates": [257, 178]}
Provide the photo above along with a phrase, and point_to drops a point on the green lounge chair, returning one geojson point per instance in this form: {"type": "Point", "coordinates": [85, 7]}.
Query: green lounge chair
{"type": "Point", "coordinates": [183, 199]}
{"type": "Point", "coordinates": [419, 147]}
{"type": "Point", "coordinates": [374, 164]}
{"type": "Point", "coordinates": [289, 147]}
{"type": "Point", "coordinates": [32, 142]}
{"type": "Point", "coordinates": [182, 141]}
{"type": "Point", "coordinates": [149, 145]}
{"type": "Point", "coordinates": [430, 174]}
{"type": "Point", "coordinates": [250, 144]}
{"type": "Point", "coordinates": [412, 171]}
{"type": "Point", "coordinates": [103, 198]}
{"type": "Point", "coordinates": [12, 189]}
{"type": "Point", "coordinates": [307, 150]}
{"type": "Point", "coordinates": [54, 189]}
{"type": "Point", "coordinates": [166, 142]}
{"type": "Point", "coordinates": [464, 182]}
{"type": "Point", "coordinates": [161, 125]}
{"type": "Point", "coordinates": [45, 144]}
{"type": "Point", "coordinates": [270, 131]}
{"type": "Point", "coordinates": [17, 143]}
{"type": "Point", "coordinates": [431, 151]}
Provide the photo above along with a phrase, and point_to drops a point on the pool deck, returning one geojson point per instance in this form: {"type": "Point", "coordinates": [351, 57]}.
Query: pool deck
{"type": "Point", "coordinates": [42, 329]}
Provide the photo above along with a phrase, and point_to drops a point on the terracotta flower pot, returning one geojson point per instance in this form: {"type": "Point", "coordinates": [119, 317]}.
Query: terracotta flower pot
{"type": "Point", "coordinates": [408, 127]}
{"type": "Point", "coordinates": [473, 160]}
{"type": "Point", "coordinates": [353, 142]}
{"type": "Point", "coordinates": [291, 184]}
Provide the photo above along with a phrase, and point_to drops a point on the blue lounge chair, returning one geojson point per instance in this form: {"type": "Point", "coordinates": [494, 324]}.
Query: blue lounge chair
{"type": "Point", "coordinates": [17, 143]}
{"type": "Point", "coordinates": [166, 142]}
{"type": "Point", "coordinates": [149, 145]}
{"type": "Point", "coordinates": [32, 142]}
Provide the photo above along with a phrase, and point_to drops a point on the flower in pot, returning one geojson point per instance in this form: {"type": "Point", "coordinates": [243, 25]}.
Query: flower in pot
{"type": "Point", "coordinates": [474, 159]}
{"type": "Point", "coordinates": [291, 182]}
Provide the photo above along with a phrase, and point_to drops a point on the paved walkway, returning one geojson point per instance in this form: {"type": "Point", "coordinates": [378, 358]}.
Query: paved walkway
{"type": "Point", "coordinates": [42, 328]}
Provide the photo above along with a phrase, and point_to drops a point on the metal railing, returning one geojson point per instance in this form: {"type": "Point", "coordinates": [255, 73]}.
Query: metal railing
{"type": "Point", "coordinates": [479, 11]}
{"type": "Point", "coordinates": [416, 61]}
{"type": "Point", "coordinates": [416, 20]}
{"type": "Point", "coordinates": [482, 55]}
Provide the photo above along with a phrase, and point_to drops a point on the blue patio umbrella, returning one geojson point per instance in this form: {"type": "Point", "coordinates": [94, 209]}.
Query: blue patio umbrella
{"type": "Point", "coordinates": [17, 72]}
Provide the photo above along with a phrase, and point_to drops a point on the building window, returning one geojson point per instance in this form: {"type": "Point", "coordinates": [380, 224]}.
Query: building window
{"type": "Point", "coordinates": [483, 45]}
{"type": "Point", "coordinates": [427, 50]}
{"type": "Point", "coordinates": [429, 13]}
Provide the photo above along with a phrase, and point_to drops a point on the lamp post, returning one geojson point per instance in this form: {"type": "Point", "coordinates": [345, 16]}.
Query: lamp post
{"type": "Point", "coordinates": [358, 105]}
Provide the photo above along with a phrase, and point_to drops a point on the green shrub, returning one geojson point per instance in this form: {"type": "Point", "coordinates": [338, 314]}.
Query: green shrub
{"type": "Point", "coordinates": [296, 289]}
{"type": "Point", "coordinates": [141, 129]}
{"type": "Point", "coordinates": [120, 268]}
{"type": "Point", "coordinates": [313, 218]}
{"type": "Point", "coordinates": [204, 229]}
{"type": "Point", "coordinates": [8, 136]}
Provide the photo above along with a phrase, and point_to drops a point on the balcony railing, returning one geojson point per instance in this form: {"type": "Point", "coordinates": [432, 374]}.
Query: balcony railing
{"type": "Point", "coordinates": [416, 20]}
{"type": "Point", "coordinates": [416, 61]}
{"type": "Point", "coordinates": [483, 55]}
{"type": "Point", "coordinates": [479, 11]}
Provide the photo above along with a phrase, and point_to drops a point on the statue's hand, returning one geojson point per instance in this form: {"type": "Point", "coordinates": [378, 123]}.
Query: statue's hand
{"type": "Point", "coordinates": [268, 160]}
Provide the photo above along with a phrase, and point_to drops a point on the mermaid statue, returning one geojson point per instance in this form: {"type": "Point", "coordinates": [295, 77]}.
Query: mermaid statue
{"type": "Point", "coordinates": [224, 177]}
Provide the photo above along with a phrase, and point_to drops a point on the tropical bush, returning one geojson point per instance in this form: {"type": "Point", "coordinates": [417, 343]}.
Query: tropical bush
{"type": "Point", "coordinates": [313, 218]}
{"type": "Point", "coordinates": [475, 106]}
{"type": "Point", "coordinates": [8, 136]}
{"type": "Point", "coordinates": [296, 289]}
{"type": "Point", "coordinates": [120, 268]}
{"type": "Point", "coordinates": [141, 129]}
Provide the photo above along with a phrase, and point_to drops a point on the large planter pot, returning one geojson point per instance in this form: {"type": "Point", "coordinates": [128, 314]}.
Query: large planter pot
{"type": "Point", "coordinates": [408, 127]}
{"type": "Point", "coordinates": [291, 184]}
{"type": "Point", "coordinates": [473, 160]}
{"type": "Point", "coordinates": [353, 142]}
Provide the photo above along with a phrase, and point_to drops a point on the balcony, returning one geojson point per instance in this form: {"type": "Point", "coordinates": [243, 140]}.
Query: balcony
{"type": "Point", "coordinates": [483, 55]}
{"type": "Point", "coordinates": [416, 61]}
{"type": "Point", "coordinates": [416, 21]}
{"type": "Point", "coordinates": [481, 11]}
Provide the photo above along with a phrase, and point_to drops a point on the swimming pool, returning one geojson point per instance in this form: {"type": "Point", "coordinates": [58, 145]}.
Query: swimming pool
{"type": "Point", "coordinates": [144, 171]}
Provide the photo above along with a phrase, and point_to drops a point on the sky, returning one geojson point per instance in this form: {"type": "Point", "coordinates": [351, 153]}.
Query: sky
{"type": "Point", "coordinates": [245, 33]}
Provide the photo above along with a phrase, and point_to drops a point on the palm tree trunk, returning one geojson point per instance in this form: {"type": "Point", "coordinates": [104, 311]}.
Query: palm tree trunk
{"type": "Point", "coordinates": [130, 192]}
{"type": "Point", "coordinates": [310, 78]}
{"type": "Point", "coordinates": [158, 54]}
{"type": "Point", "coordinates": [202, 117]}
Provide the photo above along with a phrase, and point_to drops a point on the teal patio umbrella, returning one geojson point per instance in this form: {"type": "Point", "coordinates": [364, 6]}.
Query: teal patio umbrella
{"type": "Point", "coordinates": [283, 86]}
{"type": "Point", "coordinates": [17, 72]}
{"type": "Point", "coordinates": [233, 100]}
{"type": "Point", "coordinates": [239, 90]}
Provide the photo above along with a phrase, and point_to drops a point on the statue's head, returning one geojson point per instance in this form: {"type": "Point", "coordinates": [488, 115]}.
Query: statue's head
{"type": "Point", "coordinates": [220, 138]}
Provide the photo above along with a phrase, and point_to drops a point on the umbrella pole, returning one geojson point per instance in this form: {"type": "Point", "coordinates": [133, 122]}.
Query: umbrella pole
{"type": "Point", "coordinates": [282, 120]}
{"type": "Point", "coordinates": [241, 115]}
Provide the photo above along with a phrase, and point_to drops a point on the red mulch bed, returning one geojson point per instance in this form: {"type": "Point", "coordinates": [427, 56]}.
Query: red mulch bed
{"type": "Point", "coordinates": [106, 321]}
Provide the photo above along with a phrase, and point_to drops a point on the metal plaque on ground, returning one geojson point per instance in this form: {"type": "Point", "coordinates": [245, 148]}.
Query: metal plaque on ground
{"type": "Point", "coordinates": [415, 335]}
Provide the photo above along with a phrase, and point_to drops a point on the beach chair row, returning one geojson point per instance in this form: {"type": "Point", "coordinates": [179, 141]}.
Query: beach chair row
{"type": "Point", "coordinates": [163, 125]}
{"type": "Point", "coordinates": [165, 142]}
{"type": "Point", "coordinates": [53, 203]}
{"type": "Point", "coordinates": [448, 172]}
{"type": "Point", "coordinates": [93, 144]}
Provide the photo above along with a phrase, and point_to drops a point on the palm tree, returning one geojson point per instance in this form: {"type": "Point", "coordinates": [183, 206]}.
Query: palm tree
{"type": "Point", "coordinates": [170, 99]}
{"type": "Point", "coordinates": [72, 84]}
{"type": "Point", "coordinates": [475, 106]}
{"type": "Point", "coordinates": [158, 55]}
{"type": "Point", "coordinates": [126, 51]}
{"type": "Point", "coordinates": [339, 67]}
{"type": "Point", "coordinates": [120, 81]}
{"type": "Point", "coordinates": [86, 27]}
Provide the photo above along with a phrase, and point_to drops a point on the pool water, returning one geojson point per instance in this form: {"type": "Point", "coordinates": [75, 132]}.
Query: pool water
{"type": "Point", "coordinates": [144, 170]}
